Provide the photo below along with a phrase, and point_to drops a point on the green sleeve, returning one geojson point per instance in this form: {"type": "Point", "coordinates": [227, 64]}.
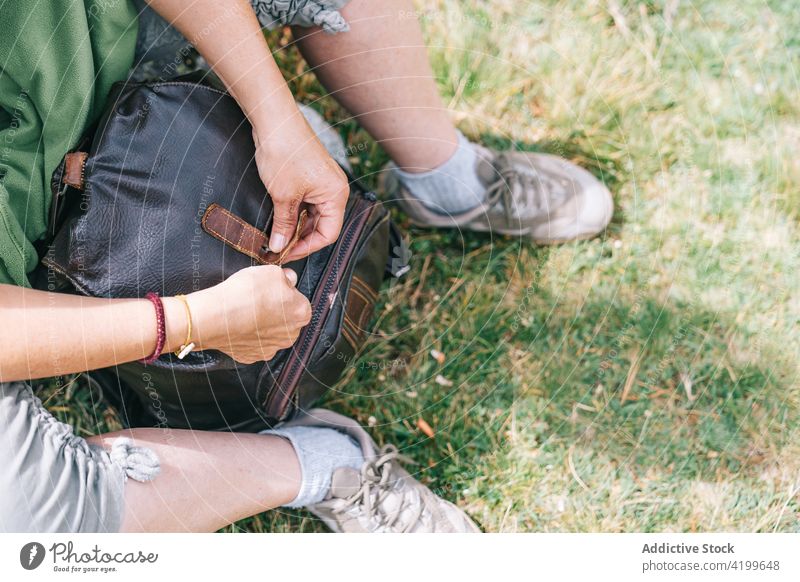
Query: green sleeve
{"type": "Point", "coordinates": [59, 59]}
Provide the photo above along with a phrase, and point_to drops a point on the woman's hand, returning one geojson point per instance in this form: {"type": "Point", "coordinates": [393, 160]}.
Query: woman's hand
{"type": "Point", "coordinates": [294, 166]}
{"type": "Point", "coordinates": [297, 170]}
{"type": "Point", "coordinates": [257, 311]}
{"type": "Point", "coordinates": [251, 315]}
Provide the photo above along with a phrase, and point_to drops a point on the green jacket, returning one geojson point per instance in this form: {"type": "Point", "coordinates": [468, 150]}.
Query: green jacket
{"type": "Point", "coordinates": [58, 60]}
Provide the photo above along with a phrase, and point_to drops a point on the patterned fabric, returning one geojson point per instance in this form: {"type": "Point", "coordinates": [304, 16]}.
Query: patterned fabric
{"type": "Point", "coordinates": [162, 52]}
{"type": "Point", "coordinates": [323, 13]}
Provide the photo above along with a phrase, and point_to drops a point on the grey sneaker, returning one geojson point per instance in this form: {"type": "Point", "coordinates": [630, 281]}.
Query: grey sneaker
{"type": "Point", "coordinates": [538, 195]}
{"type": "Point", "coordinates": [382, 497]}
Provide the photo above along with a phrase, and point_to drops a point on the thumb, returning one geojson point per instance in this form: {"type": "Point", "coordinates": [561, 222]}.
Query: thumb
{"type": "Point", "coordinates": [284, 222]}
{"type": "Point", "coordinates": [291, 276]}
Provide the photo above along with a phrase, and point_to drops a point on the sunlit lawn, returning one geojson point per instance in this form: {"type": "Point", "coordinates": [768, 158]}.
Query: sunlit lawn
{"type": "Point", "coordinates": [643, 381]}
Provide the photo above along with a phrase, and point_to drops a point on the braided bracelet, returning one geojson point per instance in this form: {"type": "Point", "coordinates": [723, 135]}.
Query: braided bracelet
{"type": "Point", "coordinates": [161, 328]}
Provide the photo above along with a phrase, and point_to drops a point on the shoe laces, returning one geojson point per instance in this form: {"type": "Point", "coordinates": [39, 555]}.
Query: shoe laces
{"type": "Point", "coordinates": [519, 190]}
{"type": "Point", "coordinates": [377, 485]}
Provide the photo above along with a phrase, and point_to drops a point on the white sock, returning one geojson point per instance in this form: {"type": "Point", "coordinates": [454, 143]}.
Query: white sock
{"type": "Point", "coordinates": [320, 452]}
{"type": "Point", "coordinates": [453, 187]}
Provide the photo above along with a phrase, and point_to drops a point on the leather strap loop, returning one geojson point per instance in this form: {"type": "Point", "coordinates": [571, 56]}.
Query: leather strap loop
{"type": "Point", "coordinates": [246, 238]}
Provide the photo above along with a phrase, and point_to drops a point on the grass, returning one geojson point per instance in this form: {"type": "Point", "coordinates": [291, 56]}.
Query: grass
{"type": "Point", "coordinates": [643, 381]}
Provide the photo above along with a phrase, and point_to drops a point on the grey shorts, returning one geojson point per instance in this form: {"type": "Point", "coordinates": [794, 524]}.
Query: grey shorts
{"type": "Point", "coordinates": [50, 479]}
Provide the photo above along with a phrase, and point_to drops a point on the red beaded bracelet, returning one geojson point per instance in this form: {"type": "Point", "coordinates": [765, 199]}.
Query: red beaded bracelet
{"type": "Point", "coordinates": [161, 328]}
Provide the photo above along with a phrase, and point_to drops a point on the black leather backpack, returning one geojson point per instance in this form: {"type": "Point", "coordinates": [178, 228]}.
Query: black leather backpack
{"type": "Point", "coordinates": [165, 196]}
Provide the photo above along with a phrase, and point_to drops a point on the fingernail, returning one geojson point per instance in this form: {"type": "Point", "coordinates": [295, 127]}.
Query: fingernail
{"type": "Point", "coordinates": [276, 242]}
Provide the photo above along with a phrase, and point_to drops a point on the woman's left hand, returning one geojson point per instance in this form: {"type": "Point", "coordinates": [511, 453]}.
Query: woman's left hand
{"type": "Point", "coordinates": [297, 170]}
{"type": "Point", "coordinates": [293, 165]}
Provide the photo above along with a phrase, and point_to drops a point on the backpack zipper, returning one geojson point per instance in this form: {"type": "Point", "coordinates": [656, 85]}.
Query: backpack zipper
{"type": "Point", "coordinates": [277, 401]}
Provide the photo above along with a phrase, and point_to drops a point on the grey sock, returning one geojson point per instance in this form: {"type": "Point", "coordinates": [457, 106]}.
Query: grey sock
{"type": "Point", "coordinates": [320, 451]}
{"type": "Point", "coordinates": [453, 187]}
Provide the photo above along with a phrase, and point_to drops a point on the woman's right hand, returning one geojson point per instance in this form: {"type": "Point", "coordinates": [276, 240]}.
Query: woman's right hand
{"type": "Point", "coordinates": [251, 315]}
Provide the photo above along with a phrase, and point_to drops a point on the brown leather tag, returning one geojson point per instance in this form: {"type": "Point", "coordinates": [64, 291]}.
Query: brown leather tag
{"type": "Point", "coordinates": [246, 238]}
{"type": "Point", "coordinates": [74, 169]}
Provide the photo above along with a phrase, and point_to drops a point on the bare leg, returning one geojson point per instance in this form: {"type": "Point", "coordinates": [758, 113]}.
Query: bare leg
{"type": "Point", "coordinates": [379, 72]}
{"type": "Point", "coordinates": [208, 480]}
